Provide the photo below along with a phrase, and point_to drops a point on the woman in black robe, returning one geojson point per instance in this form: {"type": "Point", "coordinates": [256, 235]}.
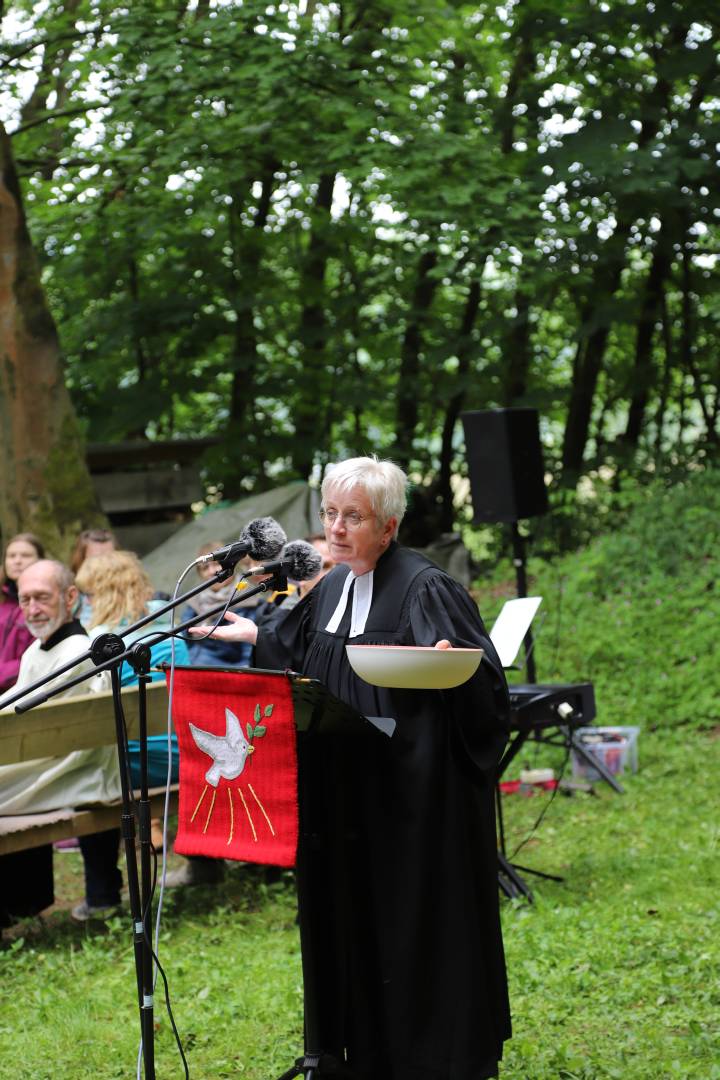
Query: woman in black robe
{"type": "Point", "coordinates": [403, 961]}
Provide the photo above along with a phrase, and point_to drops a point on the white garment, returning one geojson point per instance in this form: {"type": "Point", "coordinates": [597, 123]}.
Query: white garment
{"type": "Point", "coordinates": [361, 603]}
{"type": "Point", "coordinates": [78, 778]}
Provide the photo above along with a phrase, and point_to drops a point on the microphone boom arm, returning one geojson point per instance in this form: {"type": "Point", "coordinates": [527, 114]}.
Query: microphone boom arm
{"type": "Point", "coordinates": [117, 658]}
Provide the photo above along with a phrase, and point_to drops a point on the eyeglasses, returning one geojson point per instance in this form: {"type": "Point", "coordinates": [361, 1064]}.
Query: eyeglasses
{"type": "Point", "coordinates": [99, 536]}
{"type": "Point", "coordinates": [351, 519]}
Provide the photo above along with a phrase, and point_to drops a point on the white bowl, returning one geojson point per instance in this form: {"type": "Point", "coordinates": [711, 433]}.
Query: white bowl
{"type": "Point", "coordinates": [413, 667]}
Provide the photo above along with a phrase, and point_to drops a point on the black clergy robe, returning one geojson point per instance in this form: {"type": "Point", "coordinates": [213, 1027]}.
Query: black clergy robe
{"type": "Point", "coordinates": [403, 960]}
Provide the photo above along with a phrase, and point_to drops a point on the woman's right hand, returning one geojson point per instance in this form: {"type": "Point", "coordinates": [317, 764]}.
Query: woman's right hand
{"type": "Point", "coordinates": [238, 628]}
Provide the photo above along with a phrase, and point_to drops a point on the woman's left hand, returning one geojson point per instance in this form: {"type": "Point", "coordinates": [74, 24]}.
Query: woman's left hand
{"type": "Point", "coordinates": [443, 644]}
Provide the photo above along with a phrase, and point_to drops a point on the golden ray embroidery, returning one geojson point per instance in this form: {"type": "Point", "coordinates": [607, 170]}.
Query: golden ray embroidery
{"type": "Point", "coordinates": [198, 803]}
{"type": "Point", "coordinates": [232, 816]}
{"type": "Point", "coordinates": [252, 791]}
{"type": "Point", "coordinates": [212, 804]}
{"type": "Point", "coordinates": [249, 816]}
{"type": "Point", "coordinates": [230, 754]}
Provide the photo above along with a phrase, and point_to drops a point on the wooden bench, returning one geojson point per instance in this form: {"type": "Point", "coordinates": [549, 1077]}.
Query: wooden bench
{"type": "Point", "coordinates": [56, 729]}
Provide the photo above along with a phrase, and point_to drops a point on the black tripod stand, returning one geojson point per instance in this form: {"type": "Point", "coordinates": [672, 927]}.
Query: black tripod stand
{"type": "Point", "coordinates": [519, 543]}
{"type": "Point", "coordinates": [140, 892]}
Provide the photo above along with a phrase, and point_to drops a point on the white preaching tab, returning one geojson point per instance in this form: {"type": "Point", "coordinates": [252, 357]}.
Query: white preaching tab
{"type": "Point", "coordinates": [361, 603]}
{"type": "Point", "coordinates": [339, 611]}
{"type": "Point", "coordinates": [511, 626]}
{"type": "Point", "coordinates": [362, 599]}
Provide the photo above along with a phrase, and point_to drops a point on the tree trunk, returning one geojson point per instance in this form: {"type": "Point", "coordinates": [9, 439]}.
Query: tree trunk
{"type": "Point", "coordinates": [45, 486]}
{"type": "Point", "coordinates": [518, 352]}
{"type": "Point", "coordinates": [582, 395]}
{"type": "Point", "coordinates": [242, 430]}
{"type": "Point", "coordinates": [606, 280]}
{"type": "Point", "coordinates": [524, 65]}
{"type": "Point", "coordinates": [642, 375]}
{"type": "Point", "coordinates": [247, 245]}
{"type": "Point", "coordinates": [141, 357]}
{"type": "Point", "coordinates": [589, 357]}
{"type": "Point", "coordinates": [687, 347]}
{"type": "Point", "coordinates": [312, 333]}
{"type": "Point", "coordinates": [665, 381]}
{"type": "Point", "coordinates": [408, 379]}
{"type": "Point", "coordinates": [464, 351]}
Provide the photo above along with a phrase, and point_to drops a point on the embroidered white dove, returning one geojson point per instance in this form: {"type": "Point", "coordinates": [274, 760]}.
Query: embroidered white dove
{"type": "Point", "coordinates": [229, 751]}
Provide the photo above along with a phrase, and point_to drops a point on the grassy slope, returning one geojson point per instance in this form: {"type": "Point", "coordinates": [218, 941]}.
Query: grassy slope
{"type": "Point", "coordinates": [636, 612]}
{"type": "Point", "coordinates": [614, 972]}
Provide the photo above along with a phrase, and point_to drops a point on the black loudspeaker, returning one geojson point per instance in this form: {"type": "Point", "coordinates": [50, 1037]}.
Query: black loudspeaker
{"type": "Point", "coordinates": [505, 462]}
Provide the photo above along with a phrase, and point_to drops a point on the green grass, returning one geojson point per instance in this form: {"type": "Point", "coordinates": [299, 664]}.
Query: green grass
{"type": "Point", "coordinates": [614, 972]}
{"type": "Point", "coordinates": [232, 958]}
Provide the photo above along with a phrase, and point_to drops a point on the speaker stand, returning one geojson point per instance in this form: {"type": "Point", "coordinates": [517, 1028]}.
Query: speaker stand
{"type": "Point", "coordinates": [519, 543]}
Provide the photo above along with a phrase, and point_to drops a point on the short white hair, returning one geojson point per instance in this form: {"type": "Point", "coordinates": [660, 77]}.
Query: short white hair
{"type": "Point", "coordinates": [61, 575]}
{"type": "Point", "coordinates": [384, 482]}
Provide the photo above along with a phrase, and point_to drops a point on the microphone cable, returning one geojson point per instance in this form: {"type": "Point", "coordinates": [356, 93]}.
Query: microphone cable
{"type": "Point", "coordinates": [539, 819]}
{"type": "Point", "coordinates": [231, 601]}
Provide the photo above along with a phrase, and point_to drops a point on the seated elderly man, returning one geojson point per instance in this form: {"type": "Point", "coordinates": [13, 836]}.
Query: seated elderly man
{"type": "Point", "coordinates": [47, 596]}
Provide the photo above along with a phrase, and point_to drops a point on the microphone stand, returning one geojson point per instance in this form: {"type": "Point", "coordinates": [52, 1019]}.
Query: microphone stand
{"type": "Point", "coordinates": [93, 652]}
{"type": "Point", "coordinates": [108, 652]}
{"type": "Point", "coordinates": [139, 891]}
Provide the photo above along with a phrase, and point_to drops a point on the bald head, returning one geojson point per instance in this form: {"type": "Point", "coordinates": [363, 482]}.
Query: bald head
{"type": "Point", "coordinates": [47, 596]}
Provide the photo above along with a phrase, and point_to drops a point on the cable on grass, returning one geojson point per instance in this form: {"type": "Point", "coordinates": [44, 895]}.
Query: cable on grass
{"type": "Point", "coordinates": [534, 828]}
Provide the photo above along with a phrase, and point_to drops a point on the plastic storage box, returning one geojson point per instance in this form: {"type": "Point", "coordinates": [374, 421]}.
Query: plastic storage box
{"type": "Point", "coordinates": [617, 748]}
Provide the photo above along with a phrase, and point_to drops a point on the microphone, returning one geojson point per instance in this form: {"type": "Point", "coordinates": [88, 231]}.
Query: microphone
{"type": "Point", "coordinates": [263, 538]}
{"type": "Point", "coordinates": [298, 560]}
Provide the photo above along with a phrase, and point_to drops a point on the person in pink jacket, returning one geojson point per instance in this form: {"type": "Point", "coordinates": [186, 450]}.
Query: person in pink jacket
{"type": "Point", "coordinates": [20, 551]}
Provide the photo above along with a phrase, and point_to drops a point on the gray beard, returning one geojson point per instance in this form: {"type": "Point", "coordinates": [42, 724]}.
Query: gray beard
{"type": "Point", "coordinates": [43, 631]}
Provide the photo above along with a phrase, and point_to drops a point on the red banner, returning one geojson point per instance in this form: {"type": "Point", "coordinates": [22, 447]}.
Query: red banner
{"type": "Point", "coordinates": [238, 766]}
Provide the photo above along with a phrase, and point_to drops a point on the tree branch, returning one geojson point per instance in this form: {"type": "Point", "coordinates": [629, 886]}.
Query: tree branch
{"type": "Point", "coordinates": [32, 45]}
{"type": "Point", "coordinates": [56, 114]}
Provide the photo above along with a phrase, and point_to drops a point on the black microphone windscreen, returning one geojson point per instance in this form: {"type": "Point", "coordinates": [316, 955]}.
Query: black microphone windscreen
{"type": "Point", "coordinates": [265, 537]}
{"type": "Point", "coordinates": [304, 561]}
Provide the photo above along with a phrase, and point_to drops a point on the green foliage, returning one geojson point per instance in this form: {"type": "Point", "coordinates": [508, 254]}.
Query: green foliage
{"type": "Point", "coordinates": [234, 204]}
{"type": "Point", "coordinates": [257, 729]}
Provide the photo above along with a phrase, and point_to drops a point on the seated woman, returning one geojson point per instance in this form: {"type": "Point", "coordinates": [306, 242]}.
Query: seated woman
{"type": "Point", "coordinates": [20, 551]}
{"type": "Point", "coordinates": [119, 592]}
{"type": "Point", "coordinates": [88, 544]}
{"type": "Point", "coordinates": [27, 875]}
